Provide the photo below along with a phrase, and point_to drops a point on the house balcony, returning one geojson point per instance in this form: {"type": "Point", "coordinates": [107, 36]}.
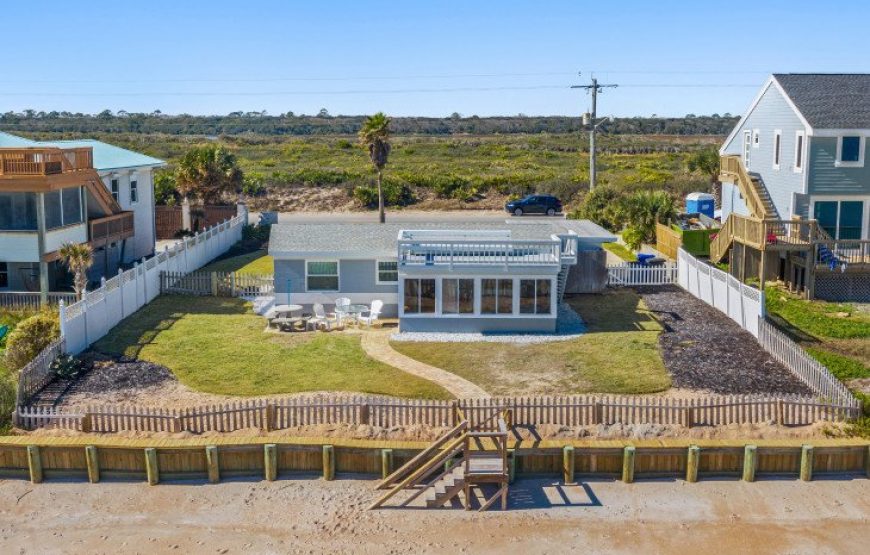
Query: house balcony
{"type": "Point", "coordinates": [451, 248]}
{"type": "Point", "coordinates": [44, 161]}
{"type": "Point", "coordinates": [110, 229]}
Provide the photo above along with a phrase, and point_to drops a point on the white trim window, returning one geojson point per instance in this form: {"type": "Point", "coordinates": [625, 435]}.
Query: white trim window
{"type": "Point", "coordinates": [457, 296]}
{"type": "Point", "coordinates": [322, 275]}
{"type": "Point", "coordinates": [419, 296]}
{"type": "Point", "coordinates": [387, 272]}
{"type": "Point", "coordinates": [496, 296]}
{"type": "Point", "coordinates": [799, 151]}
{"type": "Point", "coordinates": [777, 148]}
{"type": "Point", "coordinates": [536, 296]}
{"type": "Point", "coordinates": [756, 138]}
{"type": "Point", "coordinates": [850, 151]}
{"type": "Point", "coordinates": [4, 275]}
{"type": "Point", "coordinates": [134, 191]}
{"type": "Point", "coordinates": [115, 188]}
{"type": "Point", "coordinates": [747, 142]}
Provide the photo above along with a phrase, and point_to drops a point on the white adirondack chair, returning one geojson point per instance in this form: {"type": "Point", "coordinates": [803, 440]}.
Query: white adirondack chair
{"type": "Point", "coordinates": [321, 319]}
{"type": "Point", "coordinates": [340, 303]}
{"type": "Point", "coordinates": [371, 315]}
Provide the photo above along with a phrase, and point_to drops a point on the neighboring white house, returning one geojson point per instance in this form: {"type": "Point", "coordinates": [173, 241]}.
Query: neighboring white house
{"type": "Point", "coordinates": [53, 192]}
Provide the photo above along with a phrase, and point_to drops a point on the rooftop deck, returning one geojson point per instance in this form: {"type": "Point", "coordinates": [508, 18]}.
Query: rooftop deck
{"type": "Point", "coordinates": [450, 248]}
{"type": "Point", "coordinates": [44, 161]}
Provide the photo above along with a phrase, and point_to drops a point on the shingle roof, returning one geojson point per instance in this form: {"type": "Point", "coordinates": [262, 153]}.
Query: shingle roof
{"type": "Point", "coordinates": [106, 156]}
{"type": "Point", "coordinates": [355, 240]}
{"type": "Point", "coordinates": [830, 101]}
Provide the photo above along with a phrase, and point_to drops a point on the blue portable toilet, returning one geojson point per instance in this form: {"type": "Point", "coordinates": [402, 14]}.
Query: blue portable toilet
{"type": "Point", "coordinates": [701, 203]}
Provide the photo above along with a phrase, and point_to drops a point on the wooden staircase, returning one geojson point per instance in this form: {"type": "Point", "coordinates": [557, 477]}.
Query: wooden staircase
{"type": "Point", "coordinates": [754, 192]}
{"type": "Point", "coordinates": [456, 463]}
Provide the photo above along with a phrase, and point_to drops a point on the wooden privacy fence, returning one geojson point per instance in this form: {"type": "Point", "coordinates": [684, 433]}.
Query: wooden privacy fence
{"type": "Point", "coordinates": [217, 284]}
{"type": "Point", "coordinates": [169, 220]}
{"type": "Point", "coordinates": [630, 274]}
{"type": "Point", "coordinates": [38, 373]}
{"type": "Point", "coordinates": [578, 410]}
{"type": "Point", "coordinates": [16, 300]}
{"type": "Point", "coordinates": [273, 458]}
{"type": "Point", "coordinates": [668, 241]}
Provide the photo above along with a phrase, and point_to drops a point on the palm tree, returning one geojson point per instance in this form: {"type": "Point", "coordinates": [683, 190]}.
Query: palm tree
{"type": "Point", "coordinates": [707, 163]}
{"type": "Point", "coordinates": [78, 257]}
{"type": "Point", "coordinates": [375, 135]}
{"type": "Point", "coordinates": [208, 172]}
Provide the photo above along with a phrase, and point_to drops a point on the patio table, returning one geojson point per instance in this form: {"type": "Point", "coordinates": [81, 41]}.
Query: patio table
{"type": "Point", "coordinates": [351, 311]}
{"type": "Point", "coordinates": [281, 309]}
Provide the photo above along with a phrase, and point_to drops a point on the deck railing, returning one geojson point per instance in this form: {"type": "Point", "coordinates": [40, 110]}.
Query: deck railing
{"type": "Point", "coordinates": [731, 166]}
{"type": "Point", "coordinates": [110, 229]}
{"type": "Point", "coordinates": [836, 254]}
{"type": "Point", "coordinates": [482, 253]}
{"type": "Point", "coordinates": [42, 161]}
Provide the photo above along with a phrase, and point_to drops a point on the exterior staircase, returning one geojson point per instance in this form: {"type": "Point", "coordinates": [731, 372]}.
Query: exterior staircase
{"type": "Point", "coordinates": [472, 457]}
{"type": "Point", "coordinates": [562, 282]}
{"type": "Point", "coordinates": [445, 488]}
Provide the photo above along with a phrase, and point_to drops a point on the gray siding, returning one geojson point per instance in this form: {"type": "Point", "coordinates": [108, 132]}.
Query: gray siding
{"type": "Point", "coordinates": [589, 275]}
{"type": "Point", "coordinates": [773, 112]}
{"type": "Point", "coordinates": [827, 179]}
{"type": "Point", "coordinates": [478, 325]}
{"type": "Point", "coordinates": [355, 276]}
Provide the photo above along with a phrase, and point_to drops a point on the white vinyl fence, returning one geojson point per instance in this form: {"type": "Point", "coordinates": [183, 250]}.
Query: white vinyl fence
{"type": "Point", "coordinates": [100, 310]}
{"type": "Point", "coordinates": [742, 303]}
{"type": "Point", "coordinates": [630, 274]}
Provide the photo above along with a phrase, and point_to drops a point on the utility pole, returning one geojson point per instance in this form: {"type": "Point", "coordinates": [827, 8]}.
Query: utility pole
{"type": "Point", "coordinates": [590, 119]}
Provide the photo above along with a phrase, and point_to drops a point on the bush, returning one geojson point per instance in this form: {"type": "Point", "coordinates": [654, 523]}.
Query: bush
{"type": "Point", "coordinates": [255, 232]}
{"type": "Point", "coordinates": [603, 205]}
{"type": "Point", "coordinates": [8, 398]}
{"type": "Point", "coordinates": [30, 337]}
{"type": "Point", "coordinates": [395, 194]}
{"type": "Point", "coordinates": [252, 184]}
{"type": "Point", "coordinates": [66, 367]}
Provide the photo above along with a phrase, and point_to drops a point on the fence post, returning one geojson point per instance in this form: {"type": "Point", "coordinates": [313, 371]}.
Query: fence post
{"type": "Point", "coordinates": [512, 465]}
{"type": "Point", "coordinates": [34, 464]}
{"type": "Point", "coordinates": [269, 418]}
{"type": "Point", "coordinates": [87, 423]}
{"type": "Point", "coordinates": [214, 284]}
{"type": "Point", "coordinates": [867, 462]}
{"type": "Point", "coordinates": [386, 463]}
{"type": "Point", "coordinates": [61, 316]}
{"type": "Point", "coordinates": [780, 413]}
{"type": "Point", "coordinates": [694, 458]}
{"type": "Point", "coordinates": [806, 463]}
{"type": "Point", "coordinates": [214, 468]}
{"type": "Point", "coordinates": [270, 454]}
{"type": "Point", "coordinates": [364, 411]}
{"type": "Point", "coordinates": [152, 472]}
{"type": "Point", "coordinates": [750, 463]}
{"type": "Point", "coordinates": [628, 464]}
{"type": "Point", "coordinates": [454, 413]}
{"type": "Point", "coordinates": [84, 302]}
{"type": "Point", "coordinates": [93, 460]}
{"type": "Point", "coordinates": [568, 464]}
{"type": "Point", "coordinates": [328, 463]}
{"type": "Point", "coordinates": [121, 292]}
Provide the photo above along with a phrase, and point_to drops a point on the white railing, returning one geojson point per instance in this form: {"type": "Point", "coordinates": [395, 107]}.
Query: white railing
{"type": "Point", "coordinates": [630, 274]}
{"type": "Point", "coordinates": [23, 300]}
{"type": "Point", "coordinates": [100, 310]}
{"type": "Point", "coordinates": [480, 253]}
{"type": "Point", "coordinates": [805, 367]}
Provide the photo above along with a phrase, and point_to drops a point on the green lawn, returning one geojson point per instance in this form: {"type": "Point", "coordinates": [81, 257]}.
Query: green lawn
{"type": "Point", "coordinates": [257, 262]}
{"type": "Point", "coordinates": [621, 251]}
{"type": "Point", "coordinates": [218, 346]}
{"type": "Point", "coordinates": [619, 354]}
{"type": "Point", "coordinates": [836, 334]}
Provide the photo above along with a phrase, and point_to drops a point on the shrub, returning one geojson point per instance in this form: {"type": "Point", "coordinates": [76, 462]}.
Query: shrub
{"type": "Point", "coordinates": [603, 205]}
{"type": "Point", "coordinates": [255, 232]}
{"type": "Point", "coordinates": [252, 184]}
{"type": "Point", "coordinates": [66, 367]}
{"type": "Point", "coordinates": [30, 337]}
{"type": "Point", "coordinates": [395, 194]}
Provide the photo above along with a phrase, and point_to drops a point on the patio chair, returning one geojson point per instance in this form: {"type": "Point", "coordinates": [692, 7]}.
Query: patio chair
{"type": "Point", "coordinates": [370, 316]}
{"type": "Point", "coordinates": [321, 319]}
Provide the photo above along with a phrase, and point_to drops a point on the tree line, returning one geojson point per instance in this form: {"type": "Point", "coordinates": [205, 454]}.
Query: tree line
{"type": "Point", "coordinates": [323, 123]}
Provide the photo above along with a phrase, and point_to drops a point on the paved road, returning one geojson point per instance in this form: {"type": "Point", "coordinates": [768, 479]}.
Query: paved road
{"type": "Point", "coordinates": [404, 216]}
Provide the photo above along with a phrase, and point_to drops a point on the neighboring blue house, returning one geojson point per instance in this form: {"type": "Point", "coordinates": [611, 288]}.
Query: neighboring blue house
{"type": "Point", "coordinates": [805, 138]}
{"type": "Point", "coordinates": [463, 277]}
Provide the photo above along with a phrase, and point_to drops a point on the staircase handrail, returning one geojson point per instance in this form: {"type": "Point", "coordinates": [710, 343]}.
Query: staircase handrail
{"type": "Point", "coordinates": [456, 446]}
{"type": "Point", "coordinates": [733, 164]}
{"type": "Point", "coordinates": [408, 466]}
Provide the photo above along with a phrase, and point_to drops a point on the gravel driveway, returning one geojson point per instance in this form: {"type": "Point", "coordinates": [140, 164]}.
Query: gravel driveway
{"type": "Point", "coordinates": [705, 349]}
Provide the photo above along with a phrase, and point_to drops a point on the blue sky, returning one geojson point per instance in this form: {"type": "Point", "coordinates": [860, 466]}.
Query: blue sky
{"type": "Point", "coordinates": [417, 58]}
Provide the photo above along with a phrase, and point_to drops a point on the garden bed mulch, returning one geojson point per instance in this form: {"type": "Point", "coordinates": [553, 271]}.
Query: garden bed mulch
{"type": "Point", "coordinates": [704, 349]}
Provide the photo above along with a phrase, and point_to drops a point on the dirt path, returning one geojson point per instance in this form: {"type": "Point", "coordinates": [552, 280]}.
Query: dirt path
{"type": "Point", "coordinates": [376, 344]}
{"type": "Point", "coordinates": [310, 516]}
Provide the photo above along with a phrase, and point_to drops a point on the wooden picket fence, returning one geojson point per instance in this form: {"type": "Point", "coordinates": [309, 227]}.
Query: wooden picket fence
{"type": "Point", "coordinates": [216, 284]}
{"type": "Point", "coordinates": [577, 410]}
{"type": "Point", "coordinates": [15, 300]}
{"type": "Point", "coordinates": [38, 373]}
{"type": "Point", "coordinates": [633, 274]}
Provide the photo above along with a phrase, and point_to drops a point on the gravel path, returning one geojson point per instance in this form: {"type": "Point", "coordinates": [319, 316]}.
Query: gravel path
{"type": "Point", "coordinates": [704, 349]}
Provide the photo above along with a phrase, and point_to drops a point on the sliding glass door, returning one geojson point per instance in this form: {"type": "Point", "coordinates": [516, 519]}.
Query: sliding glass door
{"type": "Point", "coordinates": [842, 220]}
